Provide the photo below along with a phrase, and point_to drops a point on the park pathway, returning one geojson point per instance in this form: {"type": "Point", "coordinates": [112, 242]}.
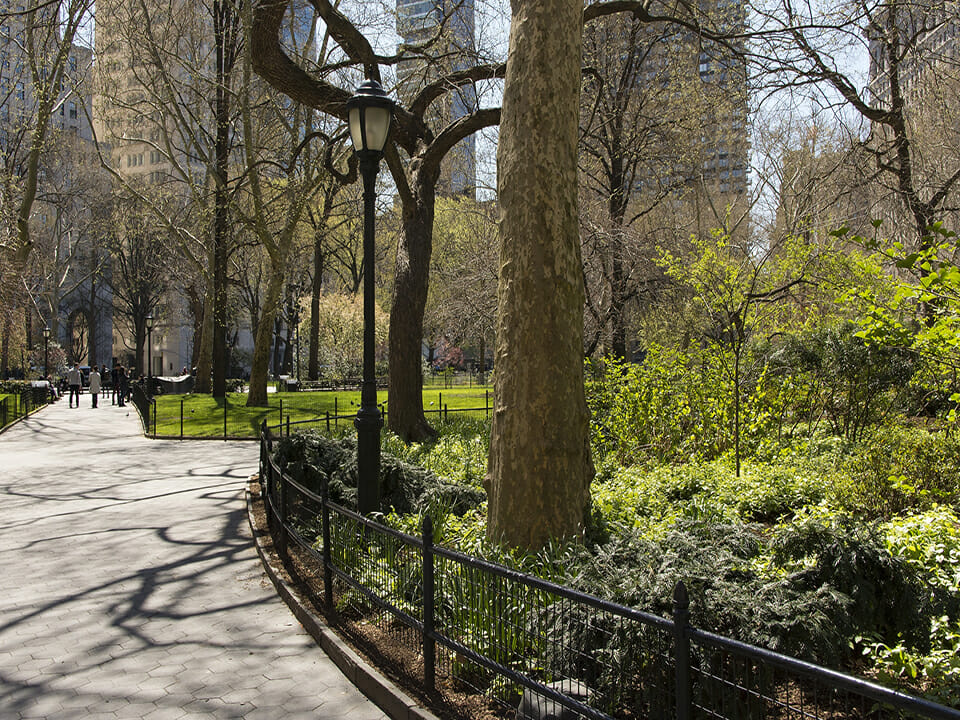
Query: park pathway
{"type": "Point", "coordinates": [131, 587]}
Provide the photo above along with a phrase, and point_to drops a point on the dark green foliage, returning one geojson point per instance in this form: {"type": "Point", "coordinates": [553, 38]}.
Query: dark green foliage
{"type": "Point", "coordinates": [886, 599]}
{"type": "Point", "coordinates": [13, 387]}
{"type": "Point", "coordinates": [235, 385]}
{"type": "Point", "coordinates": [853, 376]}
{"type": "Point", "coordinates": [310, 458]}
{"type": "Point", "coordinates": [729, 595]}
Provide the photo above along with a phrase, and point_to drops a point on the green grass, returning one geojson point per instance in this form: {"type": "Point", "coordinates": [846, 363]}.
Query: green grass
{"type": "Point", "coordinates": [203, 416]}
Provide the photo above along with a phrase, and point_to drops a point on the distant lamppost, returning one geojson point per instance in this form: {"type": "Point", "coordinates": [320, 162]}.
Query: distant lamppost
{"type": "Point", "coordinates": [370, 111]}
{"type": "Point", "coordinates": [296, 357]}
{"type": "Point", "coordinates": [46, 341]}
{"type": "Point", "coordinates": [149, 320]}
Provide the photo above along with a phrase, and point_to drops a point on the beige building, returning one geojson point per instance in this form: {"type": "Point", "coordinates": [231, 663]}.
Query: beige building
{"type": "Point", "coordinates": [149, 153]}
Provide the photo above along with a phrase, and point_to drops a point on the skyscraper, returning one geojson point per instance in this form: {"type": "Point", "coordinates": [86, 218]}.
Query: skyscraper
{"type": "Point", "coordinates": [449, 25]}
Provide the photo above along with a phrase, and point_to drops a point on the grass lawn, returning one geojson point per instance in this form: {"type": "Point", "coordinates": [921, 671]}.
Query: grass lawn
{"type": "Point", "coordinates": [204, 416]}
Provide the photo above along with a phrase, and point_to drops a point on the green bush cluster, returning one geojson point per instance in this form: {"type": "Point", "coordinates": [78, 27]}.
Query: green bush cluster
{"type": "Point", "coordinates": [839, 548]}
{"type": "Point", "coordinates": [311, 458]}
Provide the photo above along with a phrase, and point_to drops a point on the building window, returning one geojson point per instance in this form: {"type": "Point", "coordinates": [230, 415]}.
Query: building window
{"type": "Point", "coordinates": [73, 111]}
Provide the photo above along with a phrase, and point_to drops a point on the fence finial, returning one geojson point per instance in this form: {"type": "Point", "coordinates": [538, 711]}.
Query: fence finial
{"type": "Point", "coordinates": [681, 600]}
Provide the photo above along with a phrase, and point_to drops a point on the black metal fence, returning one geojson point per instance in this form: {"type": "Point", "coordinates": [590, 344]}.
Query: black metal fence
{"type": "Point", "coordinates": [523, 642]}
{"type": "Point", "coordinates": [234, 421]}
{"type": "Point", "coordinates": [20, 404]}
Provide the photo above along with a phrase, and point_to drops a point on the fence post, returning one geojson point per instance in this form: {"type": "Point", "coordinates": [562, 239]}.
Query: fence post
{"type": "Point", "coordinates": [681, 620]}
{"type": "Point", "coordinates": [288, 426]}
{"type": "Point", "coordinates": [429, 645]}
{"type": "Point", "coordinates": [328, 421]}
{"type": "Point", "coordinates": [281, 538]}
{"type": "Point", "coordinates": [281, 411]}
{"type": "Point", "coordinates": [486, 402]}
{"type": "Point", "coordinates": [154, 403]}
{"type": "Point", "coordinates": [327, 562]}
{"type": "Point", "coordinates": [439, 405]}
{"type": "Point", "coordinates": [224, 416]}
{"type": "Point", "coordinates": [336, 413]}
{"type": "Point", "coordinates": [181, 418]}
{"type": "Point", "coordinates": [263, 454]}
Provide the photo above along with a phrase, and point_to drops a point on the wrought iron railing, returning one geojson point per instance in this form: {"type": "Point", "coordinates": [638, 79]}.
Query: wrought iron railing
{"type": "Point", "coordinates": [524, 642]}
{"type": "Point", "coordinates": [17, 405]}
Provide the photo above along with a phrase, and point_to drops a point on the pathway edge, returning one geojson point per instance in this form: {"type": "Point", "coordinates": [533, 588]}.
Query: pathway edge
{"type": "Point", "coordinates": [381, 690]}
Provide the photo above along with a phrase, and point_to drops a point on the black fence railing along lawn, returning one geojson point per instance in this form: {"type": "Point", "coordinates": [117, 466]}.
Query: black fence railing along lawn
{"type": "Point", "coordinates": [521, 641]}
{"type": "Point", "coordinates": [234, 419]}
{"type": "Point", "coordinates": [17, 405]}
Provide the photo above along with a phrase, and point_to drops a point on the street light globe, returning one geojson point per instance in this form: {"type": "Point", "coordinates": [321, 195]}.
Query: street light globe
{"type": "Point", "coordinates": [369, 110]}
{"type": "Point", "coordinates": [46, 332]}
{"type": "Point", "coordinates": [149, 322]}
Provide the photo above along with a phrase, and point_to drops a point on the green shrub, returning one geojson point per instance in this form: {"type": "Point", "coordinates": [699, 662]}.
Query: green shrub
{"type": "Point", "coordinates": [886, 600]}
{"type": "Point", "coordinates": [722, 566]}
{"type": "Point", "coordinates": [672, 406]}
{"type": "Point", "coordinates": [901, 468]}
{"type": "Point", "coordinates": [764, 492]}
{"type": "Point", "coordinates": [310, 457]}
{"type": "Point", "coordinates": [929, 543]}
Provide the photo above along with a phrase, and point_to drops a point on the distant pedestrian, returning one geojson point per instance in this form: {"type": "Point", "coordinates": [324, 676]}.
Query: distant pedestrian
{"type": "Point", "coordinates": [94, 385]}
{"type": "Point", "coordinates": [122, 385]}
{"type": "Point", "coordinates": [74, 379]}
{"type": "Point", "coordinates": [114, 384]}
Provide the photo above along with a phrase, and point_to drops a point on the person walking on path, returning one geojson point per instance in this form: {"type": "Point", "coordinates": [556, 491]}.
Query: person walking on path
{"type": "Point", "coordinates": [121, 386]}
{"type": "Point", "coordinates": [74, 380]}
{"type": "Point", "coordinates": [114, 383]}
{"type": "Point", "coordinates": [94, 386]}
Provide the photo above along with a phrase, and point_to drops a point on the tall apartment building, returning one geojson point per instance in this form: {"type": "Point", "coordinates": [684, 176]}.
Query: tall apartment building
{"type": "Point", "coordinates": [923, 38]}
{"type": "Point", "coordinates": [934, 27]}
{"type": "Point", "coordinates": [417, 22]}
{"type": "Point", "coordinates": [158, 122]}
{"type": "Point", "coordinates": [726, 150]}
{"type": "Point", "coordinates": [68, 260]}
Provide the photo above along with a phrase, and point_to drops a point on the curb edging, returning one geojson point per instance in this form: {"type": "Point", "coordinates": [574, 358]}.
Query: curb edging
{"type": "Point", "coordinates": [379, 689]}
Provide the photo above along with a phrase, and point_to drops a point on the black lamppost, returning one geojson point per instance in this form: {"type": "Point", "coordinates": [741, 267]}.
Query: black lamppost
{"type": "Point", "coordinates": [149, 320]}
{"type": "Point", "coordinates": [296, 357]}
{"type": "Point", "coordinates": [46, 341]}
{"type": "Point", "coordinates": [370, 111]}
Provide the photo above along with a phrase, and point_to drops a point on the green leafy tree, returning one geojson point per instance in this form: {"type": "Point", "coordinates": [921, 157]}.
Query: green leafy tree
{"type": "Point", "coordinates": [736, 290]}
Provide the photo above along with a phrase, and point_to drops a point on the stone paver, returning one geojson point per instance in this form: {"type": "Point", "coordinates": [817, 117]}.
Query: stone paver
{"type": "Point", "coordinates": [131, 588]}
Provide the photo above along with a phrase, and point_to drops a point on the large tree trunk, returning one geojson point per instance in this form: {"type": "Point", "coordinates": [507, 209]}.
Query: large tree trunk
{"type": "Point", "coordinates": [540, 469]}
{"type": "Point", "coordinates": [220, 238]}
{"type": "Point", "coordinates": [202, 383]}
{"type": "Point", "coordinates": [405, 414]}
{"type": "Point", "coordinates": [260, 367]}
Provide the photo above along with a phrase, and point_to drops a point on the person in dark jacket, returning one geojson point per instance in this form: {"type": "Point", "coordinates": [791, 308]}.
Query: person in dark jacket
{"type": "Point", "coordinates": [114, 373]}
{"type": "Point", "coordinates": [122, 386]}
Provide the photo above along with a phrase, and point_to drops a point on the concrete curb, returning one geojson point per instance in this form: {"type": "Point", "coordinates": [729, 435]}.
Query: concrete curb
{"type": "Point", "coordinates": [382, 691]}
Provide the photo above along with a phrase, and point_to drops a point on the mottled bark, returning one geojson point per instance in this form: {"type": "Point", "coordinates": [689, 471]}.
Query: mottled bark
{"type": "Point", "coordinates": [405, 416]}
{"type": "Point", "coordinates": [260, 367]}
{"type": "Point", "coordinates": [540, 467]}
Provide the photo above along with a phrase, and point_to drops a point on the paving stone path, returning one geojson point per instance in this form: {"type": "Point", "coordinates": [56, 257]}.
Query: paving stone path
{"type": "Point", "coordinates": [129, 585]}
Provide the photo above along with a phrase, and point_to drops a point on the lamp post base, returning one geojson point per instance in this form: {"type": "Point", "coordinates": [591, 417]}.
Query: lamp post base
{"type": "Point", "coordinates": [368, 423]}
